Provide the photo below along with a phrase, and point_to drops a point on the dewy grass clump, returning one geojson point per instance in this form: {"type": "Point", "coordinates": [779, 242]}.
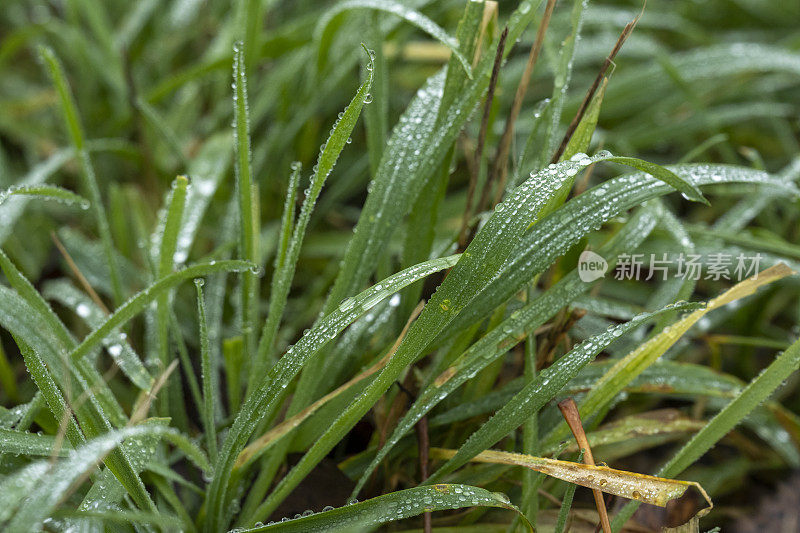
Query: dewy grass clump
{"type": "Point", "coordinates": [377, 265]}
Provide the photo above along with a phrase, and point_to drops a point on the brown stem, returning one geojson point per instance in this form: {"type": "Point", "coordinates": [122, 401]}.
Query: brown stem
{"type": "Point", "coordinates": [500, 166]}
{"type": "Point", "coordinates": [570, 412]}
{"type": "Point", "coordinates": [626, 31]}
{"type": "Point", "coordinates": [79, 275]}
{"type": "Point", "coordinates": [473, 181]}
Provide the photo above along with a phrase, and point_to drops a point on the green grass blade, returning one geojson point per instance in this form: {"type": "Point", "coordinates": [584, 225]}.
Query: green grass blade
{"type": "Point", "coordinates": [52, 484]}
{"type": "Point", "coordinates": [14, 207]}
{"type": "Point", "coordinates": [507, 334]}
{"type": "Point", "coordinates": [323, 33]}
{"type": "Point", "coordinates": [210, 394]}
{"type": "Point", "coordinates": [630, 366]}
{"type": "Point", "coordinates": [24, 443]}
{"type": "Point", "coordinates": [262, 403]}
{"type": "Point", "coordinates": [73, 123]}
{"type": "Point", "coordinates": [117, 344]}
{"type": "Point", "coordinates": [415, 150]}
{"type": "Point", "coordinates": [566, 226]}
{"type": "Point", "coordinates": [537, 393]}
{"type": "Point", "coordinates": [282, 279]}
{"type": "Point", "coordinates": [394, 506]}
{"type": "Point", "coordinates": [248, 225]}
{"type": "Point", "coordinates": [138, 302]}
{"type": "Point", "coordinates": [45, 192]}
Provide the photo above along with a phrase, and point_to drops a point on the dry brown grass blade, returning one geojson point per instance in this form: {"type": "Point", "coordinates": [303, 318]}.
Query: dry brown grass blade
{"type": "Point", "coordinates": [640, 487]}
{"type": "Point", "coordinates": [570, 412]}
{"type": "Point", "coordinates": [79, 275]}
{"type": "Point", "coordinates": [500, 167]}
{"type": "Point", "coordinates": [254, 448]}
{"type": "Point", "coordinates": [626, 32]}
{"type": "Point", "coordinates": [143, 405]}
{"type": "Point", "coordinates": [473, 180]}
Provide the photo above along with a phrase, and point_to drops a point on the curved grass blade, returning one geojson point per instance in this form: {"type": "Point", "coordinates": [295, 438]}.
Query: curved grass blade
{"type": "Point", "coordinates": [419, 142]}
{"type": "Point", "coordinates": [24, 443]}
{"type": "Point", "coordinates": [556, 233]}
{"type": "Point", "coordinates": [542, 389]}
{"type": "Point", "coordinates": [395, 506]}
{"type": "Point", "coordinates": [629, 367]}
{"type": "Point", "coordinates": [138, 302]}
{"type": "Point", "coordinates": [46, 192]}
{"type": "Point", "coordinates": [508, 333]}
{"type": "Point", "coordinates": [263, 401]}
{"type": "Point", "coordinates": [116, 344]}
{"type": "Point", "coordinates": [784, 365]}
{"type": "Point", "coordinates": [73, 123]}
{"type": "Point", "coordinates": [281, 281]}
{"type": "Point", "coordinates": [14, 208]}
{"type": "Point", "coordinates": [323, 32]}
{"type": "Point", "coordinates": [51, 483]}
{"type": "Point", "coordinates": [639, 487]}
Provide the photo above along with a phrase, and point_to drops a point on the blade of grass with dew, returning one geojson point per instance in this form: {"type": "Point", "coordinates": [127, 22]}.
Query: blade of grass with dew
{"type": "Point", "coordinates": [13, 208]}
{"type": "Point", "coordinates": [116, 344]}
{"type": "Point", "coordinates": [25, 443]}
{"type": "Point", "coordinates": [281, 281]}
{"type": "Point", "coordinates": [41, 344]}
{"type": "Point", "coordinates": [263, 401]}
{"type": "Point", "coordinates": [648, 489]}
{"type": "Point", "coordinates": [75, 129]}
{"type": "Point", "coordinates": [51, 485]}
{"type": "Point", "coordinates": [413, 152]}
{"type": "Point", "coordinates": [123, 517]}
{"type": "Point", "coordinates": [422, 219]}
{"type": "Point", "coordinates": [481, 261]}
{"type": "Point", "coordinates": [106, 492]}
{"type": "Point", "coordinates": [397, 505]}
{"type": "Point", "coordinates": [759, 389]}
{"type": "Point", "coordinates": [537, 393]}
{"type": "Point", "coordinates": [555, 234]}
{"type": "Point", "coordinates": [142, 299]}
{"type": "Point", "coordinates": [376, 116]}
{"type": "Point", "coordinates": [323, 36]}
{"type": "Point", "coordinates": [630, 366]}
{"type": "Point", "coordinates": [508, 333]}
{"type": "Point", "coordinates": [45, 192]}
{"type": "Point", "coordinates": [210, 393]}
{"type": "Point", "coordinates": [288, 217]}
{"type": "Point", "coordinates": [206, 170]}
{"type": "Point", "coordinates": [167, 240]}
{"type": "Point", "coordinates": [36, 310]}
{"type": "Point", "coordinates": [248, 232]}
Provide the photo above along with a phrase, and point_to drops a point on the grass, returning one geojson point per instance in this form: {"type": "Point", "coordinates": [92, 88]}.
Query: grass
{"type": "Point", "coordinates": [383, 207]}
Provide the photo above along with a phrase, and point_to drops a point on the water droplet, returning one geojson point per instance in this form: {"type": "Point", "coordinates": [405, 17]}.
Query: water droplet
{"type": "Point", "coordinates": [82, 310]}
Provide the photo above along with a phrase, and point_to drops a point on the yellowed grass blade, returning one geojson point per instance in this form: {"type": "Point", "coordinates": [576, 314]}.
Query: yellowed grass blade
{"type": "Point", "coordinates": [640, 487]}
{"type": "Point", "coordinates": [267, 439]}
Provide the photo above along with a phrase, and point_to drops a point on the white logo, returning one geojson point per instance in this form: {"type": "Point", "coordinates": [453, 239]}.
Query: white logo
{"type": "Point", "coordinates": [591, 266]}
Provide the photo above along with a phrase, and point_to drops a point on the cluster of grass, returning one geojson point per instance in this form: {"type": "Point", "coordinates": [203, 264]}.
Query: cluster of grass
{"type": "Point", "coordinates": [381, 205]}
